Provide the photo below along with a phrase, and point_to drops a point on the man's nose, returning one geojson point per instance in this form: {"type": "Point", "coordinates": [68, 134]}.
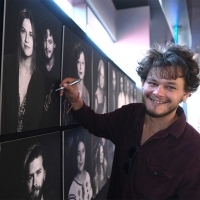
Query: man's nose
{"type": "Point", "coordinates": [159, 90]}
{"type": "Point", "coordinates": [34, 181]}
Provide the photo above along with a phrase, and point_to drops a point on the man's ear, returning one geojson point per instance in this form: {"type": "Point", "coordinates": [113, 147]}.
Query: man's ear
{"type": "Point", "coordinates": [186, 95]}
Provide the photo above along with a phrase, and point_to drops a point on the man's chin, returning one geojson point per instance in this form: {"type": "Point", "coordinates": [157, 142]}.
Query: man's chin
{"type": "Point", "coordinates": [36, 196]}
{"type": "Point", "coordinates": [48, 57]}
{"type": "Point", "coordinates": [162, 114]}
{"type": "Point", "coordinates": [154, 115]}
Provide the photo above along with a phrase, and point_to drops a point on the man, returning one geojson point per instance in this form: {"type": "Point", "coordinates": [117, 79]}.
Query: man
{"type": "Point", "coordinates": [157, 153]}
{"type": "Point", "coordinates": [34, 173]}
{"type": "Point", "coordinates": [51, 72]}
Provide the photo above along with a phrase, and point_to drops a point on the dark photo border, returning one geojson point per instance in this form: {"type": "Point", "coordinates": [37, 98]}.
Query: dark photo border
{"type": "Point", "coordinates": [77, 60]}
{"type": "Point", "coordinates": [112, 87]}
{"type": "Point", "coordinates": [12, 157]}
{"type": "Point", "coordinates": [98, 61]}
{"type": "Point", "coordinates": [73, 139]}
{"type": "Point", "coordinates": [42, 108]}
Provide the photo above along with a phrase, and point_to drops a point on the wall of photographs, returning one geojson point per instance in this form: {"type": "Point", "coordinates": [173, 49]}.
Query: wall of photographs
{"type": "Point", "coordinates": [43, 150]}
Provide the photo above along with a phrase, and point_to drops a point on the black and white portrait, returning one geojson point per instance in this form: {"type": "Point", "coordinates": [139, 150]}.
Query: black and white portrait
{"type": "Point", "coordinates": [77, 164]}
{"type": "Point", "coordinates": [112, 88]}
{"type": "Point", "coordinates": [76, 64]}
{"type": "Point", "coordinates": [110, 156]}
{"type": "Point", "coordinates": [23, 90]}
{"type": "Point", "coordinates": [50, 62]}
{"type": "Point", "coordinates": [100, 171]}
{"type": "Point", "coordinates": [133, 92]}
{"type": "Point", "coordinates": [100, 72]}
{"type": "Point", "coordinates": [31, 168]}
{"type": "Point", "coordinates": [121, 100]}
{"type": "Point", "coordinates": [127, 90]}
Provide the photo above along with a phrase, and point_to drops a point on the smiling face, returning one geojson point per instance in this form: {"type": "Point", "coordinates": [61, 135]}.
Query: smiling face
{"type": "Point", "coordinates": [26, 36]}
{"type": "Point", "coordinates": [49, 45]}
{"type": "Point", "coordinates": [162, 96]}
{"type": "Point", "coordinates": [81, 65]}
{"type": "Point", "coordinates": [81, 157]}
{"type": "Point", "coordinates": [36, 178]}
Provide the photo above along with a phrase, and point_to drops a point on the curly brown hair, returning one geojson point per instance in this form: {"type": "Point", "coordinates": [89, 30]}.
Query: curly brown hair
{"type": "Point", "coordinates": [170, 57]}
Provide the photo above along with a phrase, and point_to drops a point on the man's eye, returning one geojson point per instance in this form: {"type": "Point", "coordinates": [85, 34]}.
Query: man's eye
{"type": "Point", "coordinates": [171, 88]}
{"type": "Point", "coordinates": [38, 172]}
{"type": "Point", "coordinates": [152, 83]}
{"type": "Point", "coordinates": [29, 178]}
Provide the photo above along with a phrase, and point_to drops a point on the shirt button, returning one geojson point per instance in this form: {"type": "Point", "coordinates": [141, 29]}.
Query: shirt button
{"type": "Point", "coordinates": [155, 173]}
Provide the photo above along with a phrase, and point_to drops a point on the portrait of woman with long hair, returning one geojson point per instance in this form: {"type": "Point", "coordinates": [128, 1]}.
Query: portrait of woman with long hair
{"type": "Point", "coordinates": [23, 84]}
{"type": "Point", "coordinates": [100, 94]}
{"type": "Point", "coordinates": [100, 176]}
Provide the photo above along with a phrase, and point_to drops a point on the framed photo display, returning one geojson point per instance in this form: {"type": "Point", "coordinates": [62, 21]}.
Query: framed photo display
{"type": "Point", "coordinates": [112, 87]}
{"type": "Point", "coordinates": [100, 167]}
{"type": "Point", "coordinates": [120, 89]}
{"type": "Point", "coordinates": [31, 59]}
{"type": "Point", "coordinates": [77, 164]}
{"type": "Point", "coordinates": [77, 60]}
{"type": "Point", "coordinates": [100, 80]}
{"type": "Point", "coordinates": [31, 168]}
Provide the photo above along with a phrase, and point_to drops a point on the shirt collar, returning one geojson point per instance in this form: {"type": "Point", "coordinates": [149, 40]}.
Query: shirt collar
{"type": "Point", "coordinates": [175, 128]}
{"type": "Point", "coordinates": [178, 126]}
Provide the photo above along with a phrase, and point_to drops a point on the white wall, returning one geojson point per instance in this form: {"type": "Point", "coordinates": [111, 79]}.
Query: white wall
{"type": "Point", "coordinates": [133, 38]}
{"type": "Point", "coordinates": [106, 13]}
{"type": "Point", "coordinates": [131, 30]}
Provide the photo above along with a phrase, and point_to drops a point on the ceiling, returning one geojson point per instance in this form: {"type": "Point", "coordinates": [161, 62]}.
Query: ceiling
{"type": "Point", "coordinates": [124, 4]}
{"type": "Point", "coordinates": [185, 13]}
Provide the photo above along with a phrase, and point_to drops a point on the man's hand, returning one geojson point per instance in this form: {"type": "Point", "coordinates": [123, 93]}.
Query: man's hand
{"type": "Point", "coordinates": [71, 93]}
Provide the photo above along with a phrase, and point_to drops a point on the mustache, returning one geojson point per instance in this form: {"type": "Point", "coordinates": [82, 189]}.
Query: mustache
{"type": "Point", "coordinates": [35, 188]}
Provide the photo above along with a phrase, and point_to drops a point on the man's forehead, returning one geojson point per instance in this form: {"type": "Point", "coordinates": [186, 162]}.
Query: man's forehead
{"type": "Point", "coordinates": [168, 72]}
{"type": "Point", "coordinates": [48, 33]}
{"type": "Point", "coordinates": [38, 161]}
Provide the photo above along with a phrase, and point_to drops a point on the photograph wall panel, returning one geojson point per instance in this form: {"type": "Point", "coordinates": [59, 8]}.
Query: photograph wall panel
{"type": "Point", "coordinates": [120, 89]}
{"type": "Point", "coordinates": [31, 167]}
{"type": "Point", "coordinates": [77, 58]}
{"type": "Point", "coordinates": [32, 55]}
{"type": "Point", "coordinates": [133, 92]}
{"type": "Point", "coordinates": [112, 87]}
{"type": "Point", "coordinates": [77, 164]}
{"type": "Point", "coordinates": [100, 169]}
{"type": "Point", "coordinates": [100, 80]}
{"type": "Point", "coordinates": [130, 91]}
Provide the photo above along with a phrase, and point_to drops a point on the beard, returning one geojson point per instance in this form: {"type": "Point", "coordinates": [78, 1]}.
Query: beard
{"type": "Point", "coordinates": [36, 193]}
{"type": "Point", "coordinates": [48, 55]}
{"type": "Point", "coordinates": [153, 114]}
